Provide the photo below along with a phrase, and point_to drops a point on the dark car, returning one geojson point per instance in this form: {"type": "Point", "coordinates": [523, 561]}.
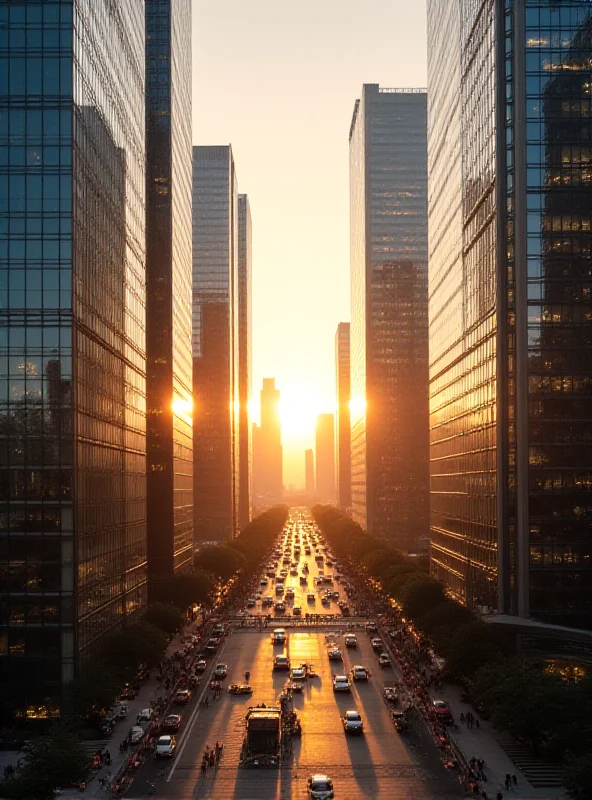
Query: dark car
{"type": "Point", "coordinates": [170, 724]}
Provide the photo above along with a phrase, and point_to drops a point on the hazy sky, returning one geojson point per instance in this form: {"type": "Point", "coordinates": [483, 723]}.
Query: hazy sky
{"type": "Point", "coordinates": [278, 80]}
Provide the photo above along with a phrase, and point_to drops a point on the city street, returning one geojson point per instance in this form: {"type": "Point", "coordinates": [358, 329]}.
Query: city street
{"type": "Point", "coordinates": [379, 764]}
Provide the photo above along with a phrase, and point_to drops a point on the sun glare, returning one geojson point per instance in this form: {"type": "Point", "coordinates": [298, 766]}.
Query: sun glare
{"type": "Point", "coordinates": [299, 406]}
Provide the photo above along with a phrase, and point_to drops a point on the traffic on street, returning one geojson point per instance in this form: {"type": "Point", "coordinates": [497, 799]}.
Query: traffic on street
{"type": "Point", "coordinates": [300, 700]}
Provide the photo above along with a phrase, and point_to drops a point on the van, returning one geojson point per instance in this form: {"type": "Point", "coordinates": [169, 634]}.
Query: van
{"type": "Point", "coordinates": [279, 636]}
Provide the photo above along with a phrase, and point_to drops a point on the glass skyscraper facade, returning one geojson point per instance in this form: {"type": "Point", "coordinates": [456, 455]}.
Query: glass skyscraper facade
{"type": "Point", "coordinates": [510, 286]}
{"type": "Point", "coordinates": [215, 343]}
{"type": "Point", "coordinates": [168, 283]}
{"type": "Point", "coordinates": [343, 426]}
{"type": "Point", "coordinates": [389, 314]}
{"type": "Point", "coordinates": [245, 315]}
{"type": "Point", "coordinates": [72, 337]}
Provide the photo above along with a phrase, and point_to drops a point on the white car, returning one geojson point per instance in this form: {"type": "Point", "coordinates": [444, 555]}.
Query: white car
{"type": "Point", "coordinates": [136, 734]}
{"type": "Point", "coordinates": [298, 674]}
{"type": "Point", "coordinates": [165, 746]}
{"type": "Point", "coordinates": [352, 722]}
{"type": "Point", "coordinates": [144, 716]}
{"type": "Point", "coordinates": [221, 671]}
{"type": "Point", "coordinates": [320, 787]}
{"type": "Point", "coordinates": [341, 684]}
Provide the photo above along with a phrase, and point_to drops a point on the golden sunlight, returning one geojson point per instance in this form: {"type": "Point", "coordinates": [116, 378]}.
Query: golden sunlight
{"type": "Point", "coordinates": [299, 406]}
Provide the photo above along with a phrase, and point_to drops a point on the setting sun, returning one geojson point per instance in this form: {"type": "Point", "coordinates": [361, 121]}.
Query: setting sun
{"type": "Point", "coordinates": [299, 406]}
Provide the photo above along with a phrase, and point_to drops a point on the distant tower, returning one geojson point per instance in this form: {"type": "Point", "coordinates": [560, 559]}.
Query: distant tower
{"type": "Point", "coordinates": [244, 358]}
{"type": "Point", "coordinates": [309, 472]}
{"type": "Point", "coordinates": [343, 428]}
{"type": "Point", "coordinates": [325, 452]}
{"type": "Point", "coordinates": [267, 448]}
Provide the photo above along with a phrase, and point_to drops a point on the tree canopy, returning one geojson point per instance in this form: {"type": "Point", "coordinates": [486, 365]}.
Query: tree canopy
{"type": "Point", "coordinates": [221, 561]}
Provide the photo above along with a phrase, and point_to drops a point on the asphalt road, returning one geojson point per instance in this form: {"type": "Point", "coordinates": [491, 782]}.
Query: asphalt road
{"type": "Point", "coordinates": [380, 764]}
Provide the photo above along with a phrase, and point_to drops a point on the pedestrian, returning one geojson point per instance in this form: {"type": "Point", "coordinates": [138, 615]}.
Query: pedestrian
{"type": "Point", "coordinates": [477, 723]}
{"type": "Point", "coordinates": [514, 780]}
{"type": "Point", "coordinates": [212, 759]}
{"type": "Point", "coordinates": [508, 781]}
{"type": "Point", "coordinates": [203, 769]}
{"type": "Point", "coordinates": [462, 718]}
{"type": "Point", "coordinates": [499, 796]}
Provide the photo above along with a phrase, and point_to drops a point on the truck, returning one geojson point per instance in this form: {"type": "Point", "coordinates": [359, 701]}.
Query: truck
{"type": "Point", "coordinates": [263, 737]}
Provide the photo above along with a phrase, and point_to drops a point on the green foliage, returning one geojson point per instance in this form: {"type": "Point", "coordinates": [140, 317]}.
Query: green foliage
{"type": "Point", "coordinates": [420, 594]}
{"type": "Point", "coordinates": [471, 646]}
{"type": "Point", "coordinates": [165, 616]}
{"type": "Point", "coordinates": [222, 561]}
{"type": "Point", "coordinates": [138, 644]}
{"type": "Point", "coordinates": [183, 589]}
{"type": "Point", "coordinates": [577, 776]}
{"type": "Point", "coordinates": [440, 621]}
{"type": "Point", "coordinates": [92, 692]}
{"type": "Point", "coordinates": [397, 577]}
{"type": "Point", "coordinates": [56, 761]}
{"type": "Point", "coordinates": [379, 562]}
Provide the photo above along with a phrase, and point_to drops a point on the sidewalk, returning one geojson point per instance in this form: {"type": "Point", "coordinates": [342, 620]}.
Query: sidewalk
{"type": "Point", "coordinates": [150, 690]}
{"type": "Point", "coordinates": [481, 743]}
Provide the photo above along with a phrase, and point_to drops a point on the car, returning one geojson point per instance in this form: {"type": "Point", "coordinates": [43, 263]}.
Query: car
{"type": "Point", "coordinates": [279, 589]}
{"type": "Point", "coordinates": [145, 715]}
{"type": "Point", "coordinates": [371, 627]}
{"type": "Point", "coordinates": [267, 600]}
{"type": "Point", "coordinates": [290, 593]}
{"type": "Point", "coordinates": [384, 660]}
{"type": "Point", "coordinates": [136, 734]}
{"type": "Point", "coordinates": [352, 722]}
{"type": "Point", "coordinates": [345, 610]}
{"type": "Point", "coordinates": [280, 606]}
{"type": "Point", "coordinates": [165, 746]}
{"type": "Point", "coordinates": [311, 598]}
{"type": "Point", "coordinates": [219, 630]}
{"type": "Point", "coordinates": [263, 582]}
{"type": "Point", "coordinates": [170, 724]}
{"type": "Point", "coordinates": [240, 688]}
{"type": "Point", "coordinates": [278, 636]}
{"type": "Point", "coordinates": [326, 601]}
{"type": "Point", "coordinates": [293, 571]}
{"type": "Point", "coordinates": [335, 654]}
{"type": "Point", "coordinates": [281, 662]}
{"type": "Point", "coordinates": [351, 640]}
{"type": "Point", "coordinates": [201, 665]}
{"type": "Point", "coordinates": [359, 673]}
{"type": "Point", "coordinates": [212, 645]}
{"type": "Point", "coordinates": [341, 683]}
{"type": "Point", "coordinates": [297, 611]}
{"type": "Point", "coordinates": [298, 674]}
{"type": "Point", "coordinates": [320, 787]}
{"type": "Point", "coordinates": [182, 697]}
{"type": "Point", "coordinates": [377, 645]}
{"type": "Point", "coordinates": [220, 671]}
{"type": "Point", "coordinates": [442, 709]}
{"type": "Point", "coordinates": [251, 602]}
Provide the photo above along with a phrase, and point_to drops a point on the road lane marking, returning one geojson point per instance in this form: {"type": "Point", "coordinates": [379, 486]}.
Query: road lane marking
{"type": "Point", "coordinates": [195, 713]}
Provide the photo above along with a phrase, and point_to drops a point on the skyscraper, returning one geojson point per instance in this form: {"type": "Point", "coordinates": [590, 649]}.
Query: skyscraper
{"type": "Point", "coordinates": [510, 305]}
{"type": "Point", "coordinates": [325, 458]}
{"type": "Point", "coordinates": [389, 315]}
{"type": "Point", "coordinates": [245, 246]}
{"type": "Point", "coordinates": [168, 283]}
{"type": "Point", "coordinates": [267, 447]}
{"type": "Point", "coordinates": [215, 343]}
{"type": "Point", "coordinates": [343, 430]}
{"type": "Point", "coordinates": [72, 338]}
{"type": "Point", "coordinates": [309, 476]}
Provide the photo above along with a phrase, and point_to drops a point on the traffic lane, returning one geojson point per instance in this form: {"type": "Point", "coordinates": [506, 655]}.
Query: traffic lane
{"type": "Point", "coordinates": [154, 770]}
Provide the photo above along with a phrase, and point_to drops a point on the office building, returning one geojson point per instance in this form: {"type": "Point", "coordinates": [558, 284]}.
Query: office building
{"type": "Point", "coordinates": [168, 287]}
{"type": "Point", "coordinates": [72, 339]}
{"type": "Point", "coordinates": [325, 458]}
{"type": "Point", "coordinates": [389, 314]}
{"type": "Point", "coordinates": [343, 426]}
{"type": "Point", "coordinates": [245, 248]}
{"type": "Point", "coordinates": [309, 475]}
{"type": "Point", "coordinates": [215, 343]}
{"type": "Point", "coordinates": [510, 306]}
{"type": "Point", "coordinates": [267, 448]}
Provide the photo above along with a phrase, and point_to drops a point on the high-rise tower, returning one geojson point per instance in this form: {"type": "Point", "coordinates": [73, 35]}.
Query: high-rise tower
{"type": "Point", "coordinates": [389, 315]}
{"type": "Point", "coordinates": [245, 248]}
{"type": "Point", "coordinates": [215, 343]}
{"type": "Point", "coordinates": [510, 305]}
{"type": "Point", "coordinates": [343, 424]}
{"type": "Point", "coordinates": [72, 338]}
{"type": "Point", "coordinates": [267, 448]}
{"type": "Point", "coordinates": [168, 286]}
